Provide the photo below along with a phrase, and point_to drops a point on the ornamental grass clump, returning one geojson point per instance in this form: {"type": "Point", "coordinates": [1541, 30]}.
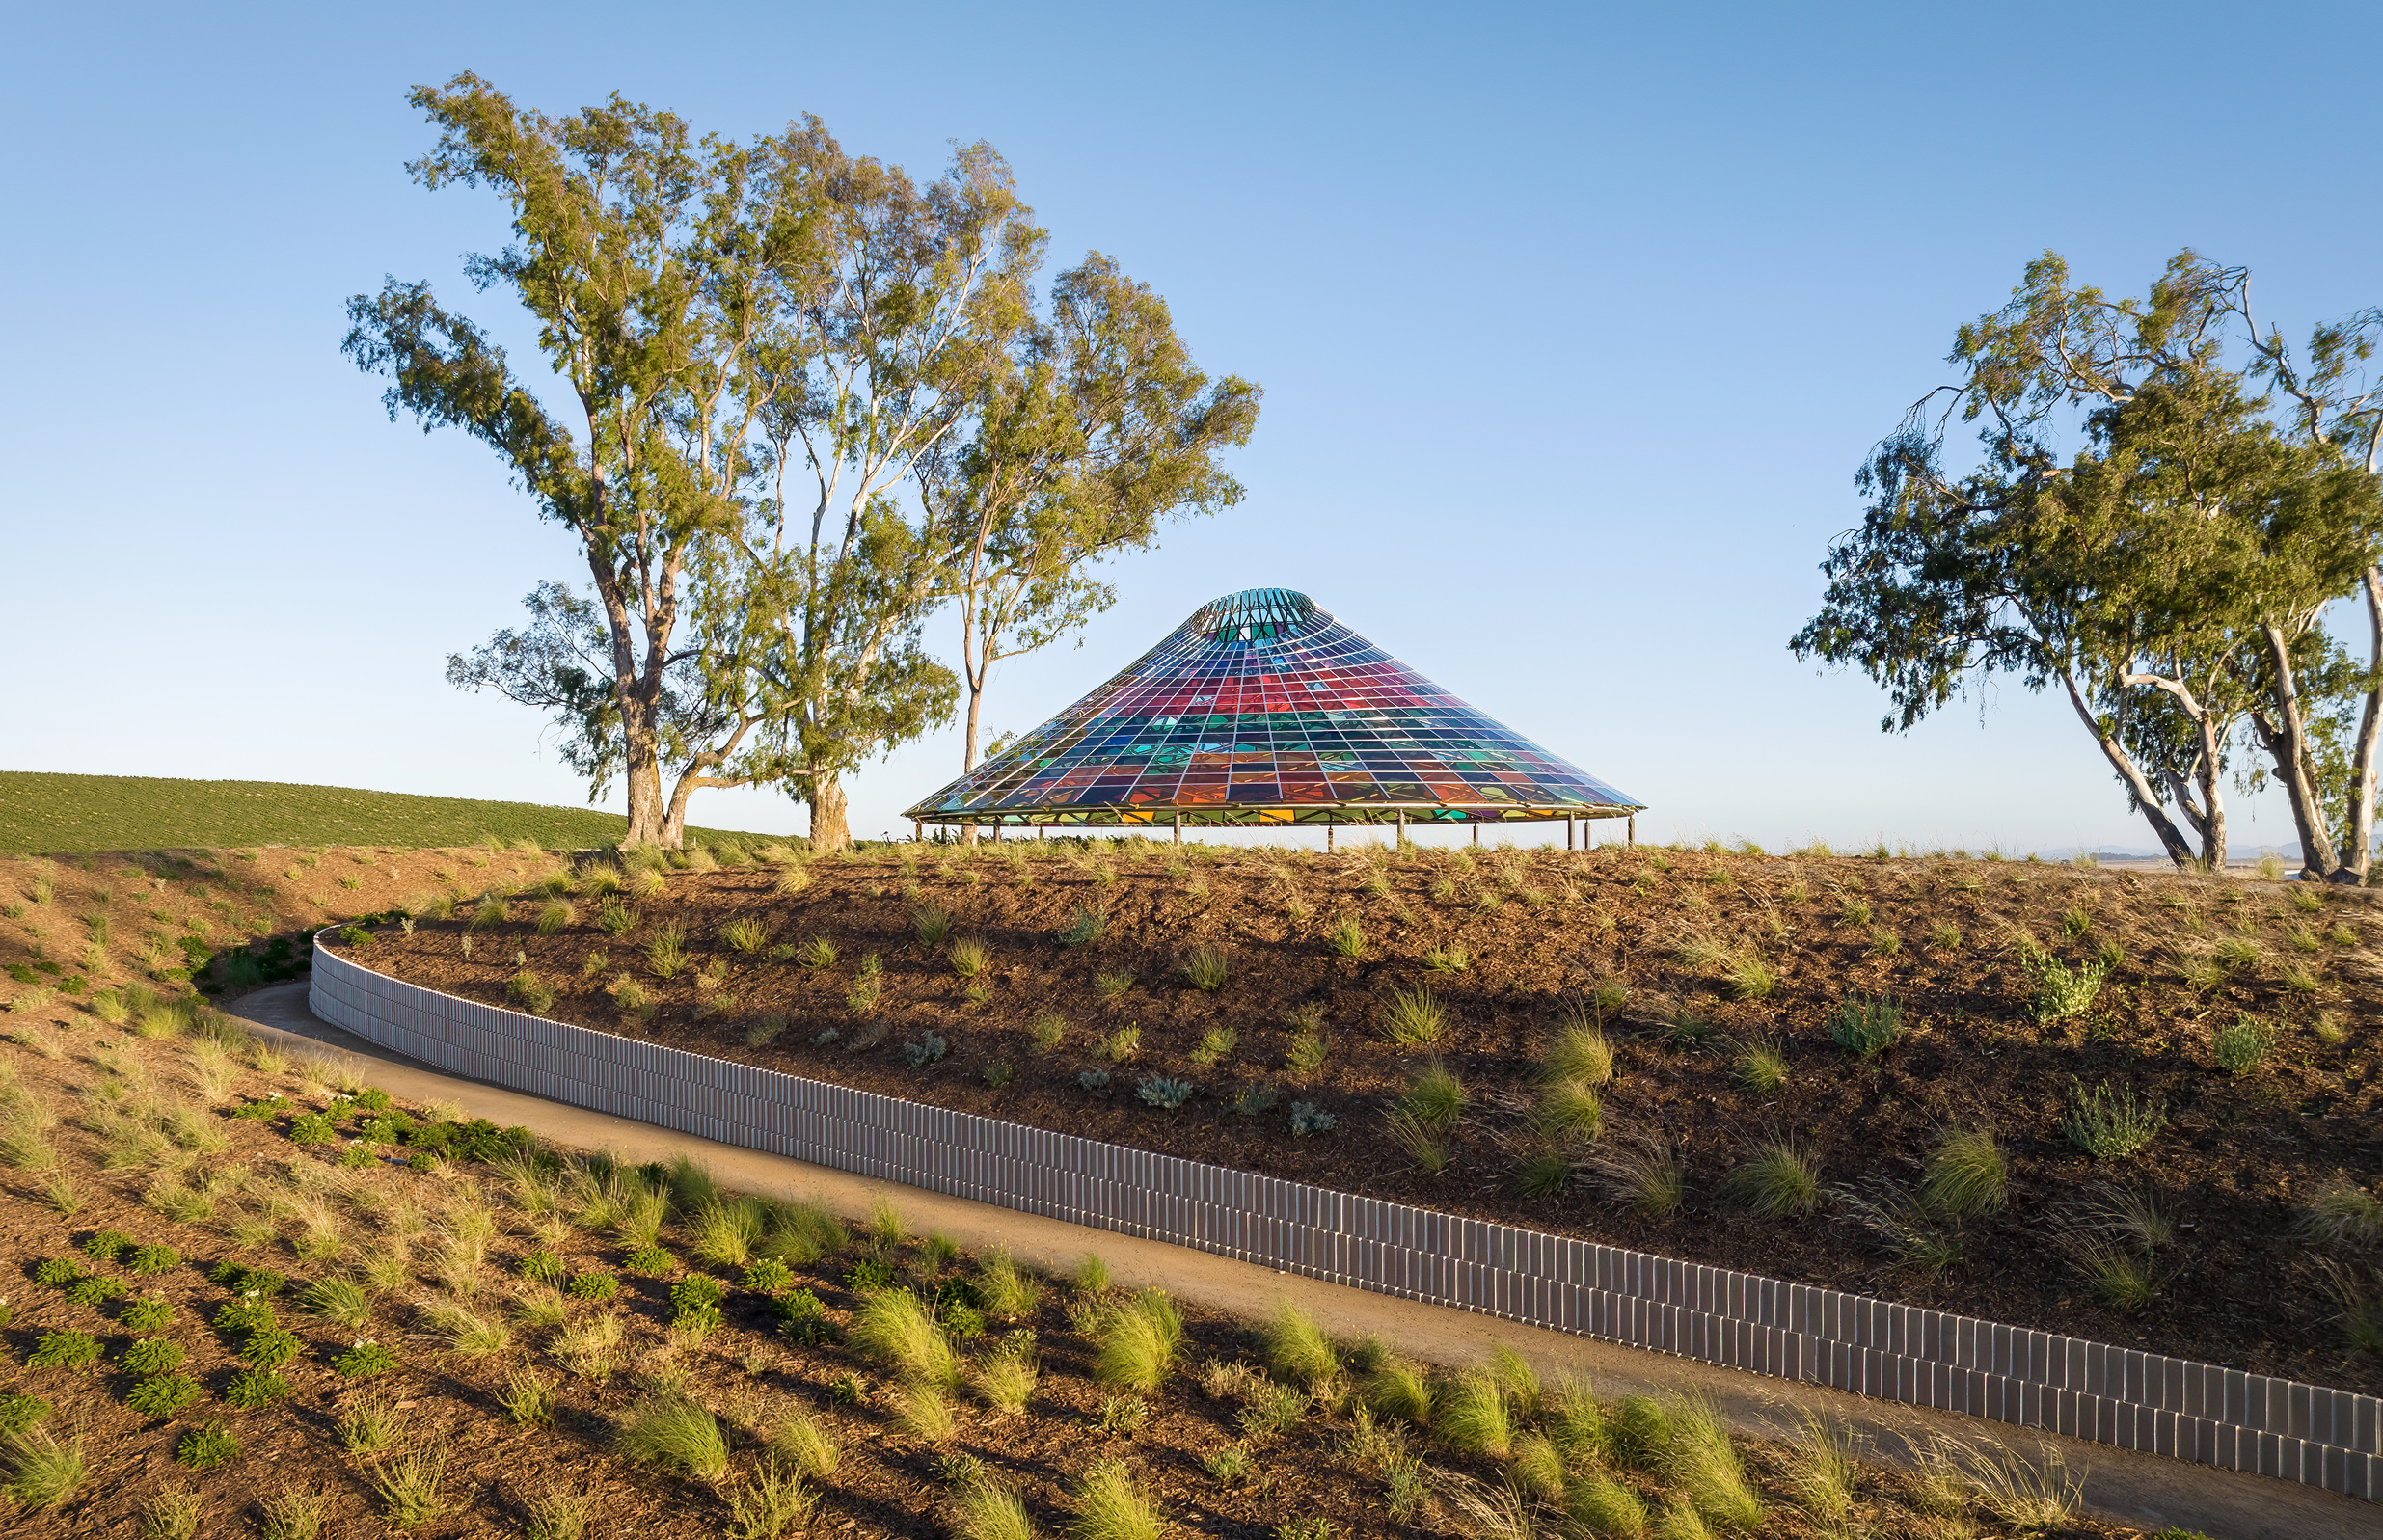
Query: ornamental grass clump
{"type": "Point", "coordinates": [1109, 1506]}
{"type": "Point", "coordinates": [1206, 969]}
{"type": "Point", "coordinates": [1435, 1098]}
{"type": "Point", "coordinates": [1296, 1349]}
{"type": "Point", "coordinates": [677, 1434]}
{"type": "Point", "coordinates": [1779, 1180]}
{"type": "Point", "coordinates": [895, 1325]}
{"type": "Point", "coordinates": [1414, 1019]}
{"type": "Point", "coordinates": [1966, 1175]}
{"type": "Point", "coordinates": [1866, 1026]}
{"type": "Point", "coordinates": [1138, 1339]}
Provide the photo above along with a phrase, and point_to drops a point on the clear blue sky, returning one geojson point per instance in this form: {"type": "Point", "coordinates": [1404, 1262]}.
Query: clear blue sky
{"type": "Point", "coordinates": [1574, 324]}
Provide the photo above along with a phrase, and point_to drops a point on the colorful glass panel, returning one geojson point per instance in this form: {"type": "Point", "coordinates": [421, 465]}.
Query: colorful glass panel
{"type": "Point", "coordinates": [1264, 707]}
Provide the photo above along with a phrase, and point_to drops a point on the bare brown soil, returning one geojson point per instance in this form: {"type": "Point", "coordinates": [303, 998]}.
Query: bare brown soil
{"type": "Point", "coordinates": [2233, 1164]}
{"type": "Point", "coordinates": [120, 1128]}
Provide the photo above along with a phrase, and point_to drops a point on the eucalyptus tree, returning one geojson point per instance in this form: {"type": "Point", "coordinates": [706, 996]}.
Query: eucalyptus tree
{"type": "Point", "coordinates": [2169, 575]}
{"type": "Point", "coordinates": [1099, 429]}
{"type": "Point", "coordinates": [896, 324]}
{"type": "Point", "coordinates": [653, 289]}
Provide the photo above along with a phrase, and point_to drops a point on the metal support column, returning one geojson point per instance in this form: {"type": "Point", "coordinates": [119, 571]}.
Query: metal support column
{"type": "Point", "coordinates": [1477, 836]}
{"type": "Point", "coordinates": [1327, 838]}
{"type": "Point", "coordinates": [1402, 827]}
{"type": "Point", "coordinates": [918, 831]}
{"type": "Point", "coordinates": [1634, 828]}
{"type": "Point", "coordinates": [1178, 828]}
{"type": "Point", "coordinates": [1568, 831]}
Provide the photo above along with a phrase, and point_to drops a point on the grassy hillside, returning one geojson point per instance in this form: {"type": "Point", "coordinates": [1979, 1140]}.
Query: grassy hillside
{"type": "Point", "coordinates": [49, 814]}
{"type": "Point", "coordinates": [253, 1296]}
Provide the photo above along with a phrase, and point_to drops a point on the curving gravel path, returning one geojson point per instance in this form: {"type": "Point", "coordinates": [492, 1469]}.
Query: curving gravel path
{"type": "Point", "coordinates": [2131, 1488]}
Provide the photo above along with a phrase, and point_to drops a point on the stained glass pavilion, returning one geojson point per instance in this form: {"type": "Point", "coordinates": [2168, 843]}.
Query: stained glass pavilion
{"type": "Point", "coordinates": [1261, 709]}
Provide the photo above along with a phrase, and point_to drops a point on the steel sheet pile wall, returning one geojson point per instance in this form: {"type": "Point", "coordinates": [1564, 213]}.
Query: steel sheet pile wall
{"type": "Point", "coordinates": [1895, 1352]}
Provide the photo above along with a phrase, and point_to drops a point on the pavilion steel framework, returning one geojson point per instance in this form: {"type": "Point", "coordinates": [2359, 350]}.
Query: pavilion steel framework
{"type": "Point", "coordinates": [1264, 710]}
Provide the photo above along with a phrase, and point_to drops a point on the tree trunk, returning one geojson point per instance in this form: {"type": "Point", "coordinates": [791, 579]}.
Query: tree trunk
{"type": "Point", "coordinates": [648, 823]}
{"type": "Point", "coordinates": [967, 749]}
{"type": "Point", "coordinates": [2361, 832]}
{"type": "Point", "coordinates": [2170, 838]}
{"type": "Point", "coordinates": [2286, 739]}
{"type": "Point", "coordinates": [830, 831]}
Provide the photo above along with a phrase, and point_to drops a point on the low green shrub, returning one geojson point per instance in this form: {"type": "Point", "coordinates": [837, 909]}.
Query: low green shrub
{"type": "Point", "coordinates": [2111, 1122]}
{"type": "Point", "coordinates": [152, 1356]}
{"type": "Point", "coordinates": [64, 1350]}
{"type": "Point", "coordinates": [104, 1245]}
{"type": "Point", "coordinates": [543, 1266]}
{"type": "Point", "coordinates": [2243, 1046]}
{"type": "Point", "coordinates": [161, 1395]}
{"type": "Point", "coordinates": [207, 1446]}
{"type": "Point", "coordinates": [594, 1285]}
{"type": "Point", "coordinates": [1866, 1026]}
{"type": "Point", "coordinates": [251, 1388]}
{"type": "Point", "coordinates": [153, 1258]}
{"type": "Point", "coordinates": [145, 1315]}
{"type": "Point", "coordinates": [366, 1359]}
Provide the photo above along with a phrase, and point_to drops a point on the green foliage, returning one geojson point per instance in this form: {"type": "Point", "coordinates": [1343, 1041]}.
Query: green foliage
{"type": "Point", "coordinates": [42, 1469]}
{"type": "Point", "coordinates": [1435, 1098]}
{"type": "Point", "coordinates": [542, 1266]}
{"type": "Point", "coordinates": [1866, 1026]}
{"type": "Point", "coordinates": [2060, 991]}
{"type": "Point", "coordinates": [984, 1511]}
{"type": "Point", "coordinates": [1109, 1506]}
{"type": "Point", "coordinates": [364, 1360]}
{"type": "Point", "coordinates": [2243, 1046]}
{"type": "Point", "coordinates": [251, 1389]}
{"type": "Point", "coordinates": [95, 1290]}
{"type": "Point", "coordinates": [207, 1446]}
{"type": "Point", "coordinates": [931, 925]}
{"type": "Point", "coordinates": [594, 1285]}
{"type": "Point", "coordinates": [409, 1488]}
{"type": "Point", "coordinates": [1347, 939]}
{"type": "Point", "coordinates": [2110, 1123]}
{"type": "Point", "coordinates": [1762, 1068]}
{"type": "Point", "coordinates": [1414, 1019]}
{"type": "Point", "coordinates": [1777, 1180]}
{"type": "Point", "coordinates": [1476, 1417]}
{"type": "Point", "coordinates": [653, 1261]}
{"type": "Point", "coordinates": [56, 1272]}
{"type": "Point", "coordinates": [104, 1245]}
{"type": "Point", "coordinates": [145, 1315]}
{"type": "Point", "coordinates": [1207, 968]}
{"type": "Point", "coordinates": [677, 1434]}
{"type": "Point", "coordinates": [312, 1128]}
{"type": "Point", "coordinates": [152, 1356]}
{"type": "Point", "coordinates": [153, 1258]}
{"type": "Point", "coordinates": [64, 1350]}
{"type": "Point", "coordinates": [1305, 1118]}
{"type": "Point", "coordinates": [1163, 1093]}
{"type": "Point", "coordinates": [161, 1394]}
{"type": "Point", "coordinates": [1965, 1173]}
{"type": "Point", "coordinates": [1085, 925]}
{"type": "Point", "coordinates": [895, 1324]}
{"type": "Point", "coordinates": [1138, 1339]}
{"type": "Point", "coordinates": [2345, 1215]}
{"type": "Point", "coordinates": [1296, 1349]}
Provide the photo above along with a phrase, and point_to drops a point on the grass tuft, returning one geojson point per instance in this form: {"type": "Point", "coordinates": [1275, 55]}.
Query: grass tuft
{"type": "Point", "coordinates": [1414, 1019]}
{"type": "Point", "coordinates": [1964, 1176]}
{"type": "Point", "coordinates": [1138, 1341]}
{"type": "Point", "coordinates": [1780, 1179]}
{"type": "Point", "coordinates": [1109, 1506]}
{"type": "Point", "coordinates": [675, 1433]}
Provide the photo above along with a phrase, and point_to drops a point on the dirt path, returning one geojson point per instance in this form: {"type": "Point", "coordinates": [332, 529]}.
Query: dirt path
{"type": "Point", "coordinates": [2138, 1489]}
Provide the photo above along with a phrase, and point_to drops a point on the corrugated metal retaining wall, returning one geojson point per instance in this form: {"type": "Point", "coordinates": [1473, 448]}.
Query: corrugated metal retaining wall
{"type": "Point", "coordinates": [1894, 1352]}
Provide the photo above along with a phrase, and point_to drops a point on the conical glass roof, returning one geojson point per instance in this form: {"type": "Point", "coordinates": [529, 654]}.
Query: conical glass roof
{"type": "Point", "coordinates": [1262, 709]}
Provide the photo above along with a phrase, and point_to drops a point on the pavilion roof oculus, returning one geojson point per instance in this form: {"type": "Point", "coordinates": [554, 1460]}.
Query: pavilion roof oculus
{"type": "Point", "coordinates": [1262, 709]}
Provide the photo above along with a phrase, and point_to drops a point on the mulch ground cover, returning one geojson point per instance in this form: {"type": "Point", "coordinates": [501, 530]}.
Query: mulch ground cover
{"type": "Point", "coordinates": [1689, 960]}
{"type": "Point", "coordinates": [166, 1185]}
